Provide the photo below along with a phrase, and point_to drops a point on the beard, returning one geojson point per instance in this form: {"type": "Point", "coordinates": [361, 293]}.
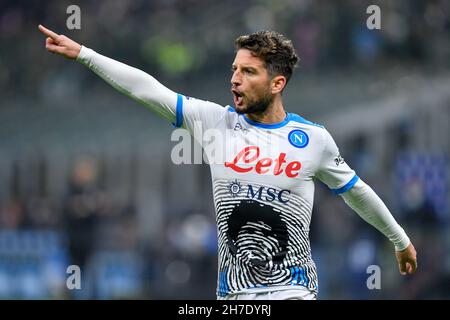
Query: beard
{"type": "Point", "coordinates": [256, 106]}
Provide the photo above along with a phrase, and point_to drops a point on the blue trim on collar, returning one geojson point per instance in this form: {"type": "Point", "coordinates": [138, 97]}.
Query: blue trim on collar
{"type": "Point", "coordinates": [347, 187]}
{"type": "Point", "coordinates": [289, 117]}
{"type": "Point", "coordinates": [269, 125]}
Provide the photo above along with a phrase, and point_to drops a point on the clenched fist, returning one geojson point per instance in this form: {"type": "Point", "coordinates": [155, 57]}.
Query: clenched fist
{"type": "Point", "coordinates": [407, 260]}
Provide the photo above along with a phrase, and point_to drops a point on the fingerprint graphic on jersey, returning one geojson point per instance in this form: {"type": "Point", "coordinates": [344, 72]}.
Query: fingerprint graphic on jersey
{"type": "Point", "coordinates": [262, 242]}
{"type": "Point", "coordinates": [257, 233]}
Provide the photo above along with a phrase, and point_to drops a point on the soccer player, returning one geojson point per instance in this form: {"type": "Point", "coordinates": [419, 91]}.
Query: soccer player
{"type": "Point", "coordinates": [264, 188]}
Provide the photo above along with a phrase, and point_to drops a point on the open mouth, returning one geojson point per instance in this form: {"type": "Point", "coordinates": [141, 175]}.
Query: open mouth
{"type": "Point", "coordinates": [237, 97]}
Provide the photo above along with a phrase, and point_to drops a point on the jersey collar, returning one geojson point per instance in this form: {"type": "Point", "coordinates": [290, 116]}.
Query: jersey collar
{"type": "Point", "coordinates": [267, 125]}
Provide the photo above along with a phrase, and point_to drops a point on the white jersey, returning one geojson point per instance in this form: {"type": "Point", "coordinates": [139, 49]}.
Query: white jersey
{"type": "Point", "coordinates": [264, 194]}
{"type": "Point", "coordinates": [263, 185]}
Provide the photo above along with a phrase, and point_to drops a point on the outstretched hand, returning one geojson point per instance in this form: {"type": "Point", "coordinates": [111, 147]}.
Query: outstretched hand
{"type": "Point", "coordinates": [407, 260]}
{"type": "Point", "coordinates": [60, 44]}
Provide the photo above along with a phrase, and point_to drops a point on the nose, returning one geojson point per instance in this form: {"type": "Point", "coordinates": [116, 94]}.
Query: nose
{"type": "Point", "coordinates": [236, 79]}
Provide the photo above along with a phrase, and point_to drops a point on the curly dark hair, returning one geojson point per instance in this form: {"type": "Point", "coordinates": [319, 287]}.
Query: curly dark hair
{"type": "Point", "coordinates": [274, 48]}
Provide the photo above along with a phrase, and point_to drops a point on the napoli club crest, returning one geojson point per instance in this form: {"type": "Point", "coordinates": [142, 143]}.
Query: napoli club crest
{"type": "Point", "coordinates": [298, 138]}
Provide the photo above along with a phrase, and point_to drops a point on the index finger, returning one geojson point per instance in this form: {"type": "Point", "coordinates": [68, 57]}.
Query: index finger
{"type": "Point", "coordinates": [48, 32]}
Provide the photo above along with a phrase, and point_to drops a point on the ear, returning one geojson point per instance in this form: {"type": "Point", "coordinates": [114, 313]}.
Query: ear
{"type": "Point", "coordinates": [277, 84]}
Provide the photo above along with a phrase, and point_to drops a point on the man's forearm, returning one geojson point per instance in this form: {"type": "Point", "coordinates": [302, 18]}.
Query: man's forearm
{"type": "Point", "coordinates": [362, 199]}
{"type": "Point", "coordinates": [132, 82]}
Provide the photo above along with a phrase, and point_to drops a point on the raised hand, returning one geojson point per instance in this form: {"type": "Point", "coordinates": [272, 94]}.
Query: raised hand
{"type": "Point", "coordinates": [60, 44]}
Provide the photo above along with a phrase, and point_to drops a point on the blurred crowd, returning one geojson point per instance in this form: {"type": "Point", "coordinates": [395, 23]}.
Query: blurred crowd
{"type": "Point", "coordinates": [188, 40]}
{"type": "Point", "coordinates": [71, 213]}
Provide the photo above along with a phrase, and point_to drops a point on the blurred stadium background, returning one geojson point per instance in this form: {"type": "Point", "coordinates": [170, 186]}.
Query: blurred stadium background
{"type": "Point", "coordinates": [86, 176]}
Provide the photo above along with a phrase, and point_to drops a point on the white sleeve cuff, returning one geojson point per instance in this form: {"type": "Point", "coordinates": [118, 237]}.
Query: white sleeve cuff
{"type": "Point", "coordinates": [83, 55]}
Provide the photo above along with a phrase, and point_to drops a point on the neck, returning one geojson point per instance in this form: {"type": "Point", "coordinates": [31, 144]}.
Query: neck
{"type": "Point", "coordinates": [273, 114]}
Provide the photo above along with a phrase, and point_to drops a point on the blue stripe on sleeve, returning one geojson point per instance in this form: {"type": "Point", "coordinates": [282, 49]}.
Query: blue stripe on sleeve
{"type": "Point", "coordinates": [347, 187]}
{"type": "Point", "coordinates": [179, 112]}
